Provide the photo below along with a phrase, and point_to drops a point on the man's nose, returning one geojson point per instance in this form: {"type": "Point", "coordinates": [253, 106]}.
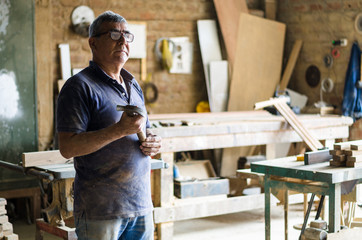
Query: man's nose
{"type": "Point", "coordinates": [122, 39]}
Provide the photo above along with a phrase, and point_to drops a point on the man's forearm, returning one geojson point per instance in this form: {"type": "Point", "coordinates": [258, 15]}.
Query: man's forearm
{"type": "Point", "coordinates": [79, 144]}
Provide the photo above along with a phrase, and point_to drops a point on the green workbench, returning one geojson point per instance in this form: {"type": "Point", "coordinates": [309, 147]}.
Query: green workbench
{"type": "Point", "coordinates": [321, 179]}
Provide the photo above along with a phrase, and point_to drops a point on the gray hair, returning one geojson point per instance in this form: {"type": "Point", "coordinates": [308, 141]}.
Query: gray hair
{"type": "Point", "coordinates": [107, 16]}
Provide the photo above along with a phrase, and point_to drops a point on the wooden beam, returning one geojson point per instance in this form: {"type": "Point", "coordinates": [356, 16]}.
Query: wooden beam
{"type": "Point", "coordinates": [209, 208]}
{"type": "Point", "coordinates": [291, 118]}
{"type": "Point", "coordinates": [41, 158]}
{"type": "Point", "coordinates": [290, 65]}
{"type": "Point", "coordinates": [176, 144]}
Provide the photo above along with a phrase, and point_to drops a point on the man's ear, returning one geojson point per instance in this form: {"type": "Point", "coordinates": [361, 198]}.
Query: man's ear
{"type": "Point", "coordinates": [92, 43]}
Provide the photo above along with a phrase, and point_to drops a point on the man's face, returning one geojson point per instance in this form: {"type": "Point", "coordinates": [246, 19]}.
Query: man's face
{"type": "Point", "coordinates": [105, 49]}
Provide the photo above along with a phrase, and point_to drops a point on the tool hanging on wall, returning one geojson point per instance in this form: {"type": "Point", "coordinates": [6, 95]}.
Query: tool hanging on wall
{"type": "Point", "coordinates": [313, 75]}
{"type": "Point", "coordinates": [164, 50]}
{"type": "Point", "coordinates": [82, 17]}
{"type": "Point", "coordinates": [150, 90]}
{"type": "Point", "coordinates": [358, 23]}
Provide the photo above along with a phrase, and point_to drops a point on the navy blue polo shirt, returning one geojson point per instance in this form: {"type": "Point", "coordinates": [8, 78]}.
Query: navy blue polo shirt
{"type": "Point", "coordinates": [113, 182]}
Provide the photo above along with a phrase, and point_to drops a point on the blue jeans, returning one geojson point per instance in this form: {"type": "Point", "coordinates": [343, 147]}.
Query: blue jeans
{"type": "Point", "coordinates": [137, 228]}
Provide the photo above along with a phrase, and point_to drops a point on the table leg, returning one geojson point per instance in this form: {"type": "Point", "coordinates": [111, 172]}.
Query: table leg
{"type": "Point", "coordinates": [334, 207]}
{"type": "Point", "coordinates": [267, 206]}
{"type": "Point", "coordinates": [163, 195]}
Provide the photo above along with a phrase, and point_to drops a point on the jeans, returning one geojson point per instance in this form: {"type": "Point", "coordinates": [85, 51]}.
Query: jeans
{"type": "Point", "coordinates": [137, 228]}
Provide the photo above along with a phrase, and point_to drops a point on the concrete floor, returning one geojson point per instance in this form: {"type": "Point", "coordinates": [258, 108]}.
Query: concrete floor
{"type": "Point", "coordinates": [244, 225]}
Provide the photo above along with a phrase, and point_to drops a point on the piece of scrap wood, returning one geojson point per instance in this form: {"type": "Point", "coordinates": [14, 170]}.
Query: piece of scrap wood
{"type": "Point", "coordinates": [31, 159]}
{"type": "Point", "coordinates": [352, 153]}
{"type": "Point", "coordinates": [356, 146]}
{"type": "Point", "coordinates": [290, 65]}
{"type": "Point", "coordinates": [346, 145]}
{"type": "Point", "coordinates": [339, 158]}
{"type": "Point", "coordinates": [291, 118]}
{"type": "Point", "coordinates": [355, 158]}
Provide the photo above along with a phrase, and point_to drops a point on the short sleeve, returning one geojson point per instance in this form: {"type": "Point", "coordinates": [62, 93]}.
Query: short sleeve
{"type": "Point", "coordinates": [73, 107]}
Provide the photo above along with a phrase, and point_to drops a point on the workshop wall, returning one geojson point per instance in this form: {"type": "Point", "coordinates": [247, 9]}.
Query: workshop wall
{"type": "Point", "coordinates": [318, 23]}
{"type": "Point", "coordinates": [176, 18]}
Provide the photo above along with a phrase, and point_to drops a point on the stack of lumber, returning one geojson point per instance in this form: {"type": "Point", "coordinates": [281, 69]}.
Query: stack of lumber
{"type": "Point", "coordinates": [6, 228]}
{"type": "Point", "coordinates": [347, 154]}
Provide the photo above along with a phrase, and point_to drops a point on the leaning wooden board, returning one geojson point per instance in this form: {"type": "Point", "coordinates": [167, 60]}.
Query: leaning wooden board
{"type": "Point", "coordinates": [258, 62]}
{"type": "Point", "coordinates": [256, 74]}
{"type": "Point", "coordinates": [228, 13]}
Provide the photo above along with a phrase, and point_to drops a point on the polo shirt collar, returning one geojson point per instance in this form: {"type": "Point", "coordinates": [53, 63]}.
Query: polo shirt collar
{"type": "Point", "coordinates": [127, 76]}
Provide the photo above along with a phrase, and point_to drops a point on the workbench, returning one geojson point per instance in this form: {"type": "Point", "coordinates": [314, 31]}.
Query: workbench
{"type": "Point", "coordinates": [319, 178]}
{"type": "Point", "coordinates": [224, 130]}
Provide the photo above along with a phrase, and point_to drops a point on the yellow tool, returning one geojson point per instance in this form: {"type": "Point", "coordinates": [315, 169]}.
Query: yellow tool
{"type": "Point", "coordinates": [164, 52]}
{"type": "Point", "coordinates": [166, 55]}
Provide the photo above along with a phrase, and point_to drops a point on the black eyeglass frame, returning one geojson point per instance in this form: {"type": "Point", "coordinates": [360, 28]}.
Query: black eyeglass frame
{"type": "Point", "coordinates": [128, 36]}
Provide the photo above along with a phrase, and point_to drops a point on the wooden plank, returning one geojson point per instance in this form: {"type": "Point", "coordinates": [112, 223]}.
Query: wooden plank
{"type": "Point", "coordinates": [312, 142]}
{"type": "Point", "coordinates": [257, 38]}
{"type": "Point", "coordinates": [352, 153]}
{"type": "Point", "coordinates": [176, 144]}
{"type": "Point", "coordinates": [339, 158]}
{"type": "Point", "coordinates": [209, 208]}
{"type": "Point", "coordinates": [356, 146]}
{"type": "Point", "coordinates": [259, 55]}
{"type": "Point", "coordinates": [354, 233]}
{"type": "Point", "coordinates": [219, 85]}
{"type": "Point", "coordinates": [209, 47]}
{"type": "Point", "coordinates": [270, 9]}
{"type": "Point", "coordinates": [228, 13]}
{"type": "Point", "coordinates": [355, 158]}
{"type": "Point", "coordinates": [337, 163]}
{"type": "Point", "coordinates": [41, 158]}
{"type": "Point", "coordinates": [229, 114]}
{"type": "Point", "coordinates": [337, 152]}
{"type": "Point", "coordinates": [346, 145]}
{"type": "Point", "coordinates": [291, 118]}
{"type": "Point", "coordinates": [290, 65]}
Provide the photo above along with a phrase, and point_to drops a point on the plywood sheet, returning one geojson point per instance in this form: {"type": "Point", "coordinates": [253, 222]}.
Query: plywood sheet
{"type": "Point", "coordinates": [256, 73]}
{"type": "Point", "coordinates": [258, 62]}
{"type": "Point", "coordinates": [228, 13]}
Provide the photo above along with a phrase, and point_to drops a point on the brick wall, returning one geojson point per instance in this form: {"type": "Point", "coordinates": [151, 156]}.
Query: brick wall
{"type": "Point", "coordinates": [176, 18]}
{"type": "Point", "coordinates": [317, 23]}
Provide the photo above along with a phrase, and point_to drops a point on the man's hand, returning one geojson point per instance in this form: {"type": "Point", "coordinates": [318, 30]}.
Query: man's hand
{"type": "Point", "coordinates": [130, 125]}
{"type": "Point", "coordinates": [151, 146]}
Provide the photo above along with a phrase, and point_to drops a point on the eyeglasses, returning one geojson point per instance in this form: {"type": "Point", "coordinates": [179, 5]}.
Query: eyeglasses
{"type": "Point", "coordinates": [116, 35]}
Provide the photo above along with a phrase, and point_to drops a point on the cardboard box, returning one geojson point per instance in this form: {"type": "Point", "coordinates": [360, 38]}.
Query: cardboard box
{"type": "Point", "coordinates": [197, 178]}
